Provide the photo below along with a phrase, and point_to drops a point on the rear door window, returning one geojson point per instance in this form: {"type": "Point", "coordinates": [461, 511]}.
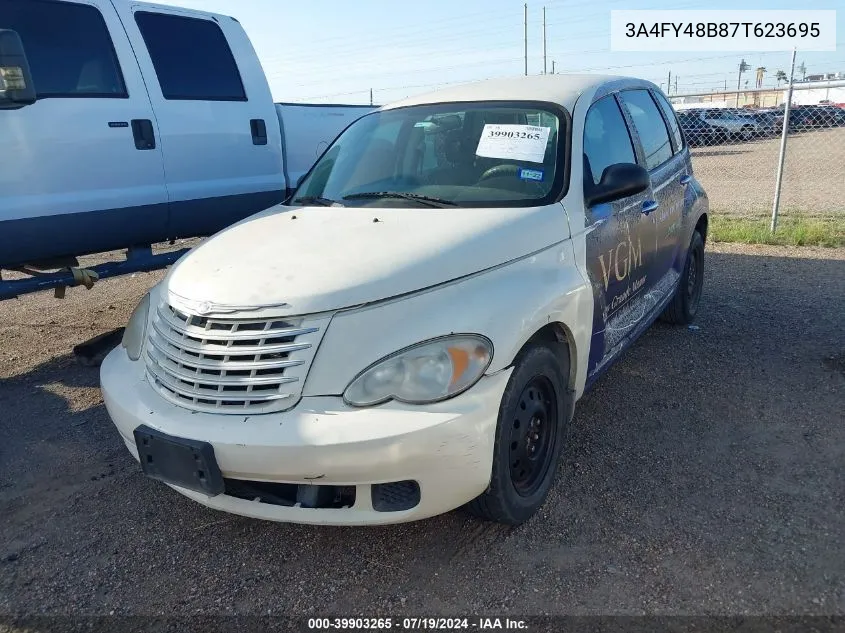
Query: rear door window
{"type": "Point", "coordinates": [672, 120]}
{"type": "Point", "coordinates": [651, 129]}
{"type": "Point", "coordinates": [68, 47]}
{"type": "Point", "coordinates": [191, 57]}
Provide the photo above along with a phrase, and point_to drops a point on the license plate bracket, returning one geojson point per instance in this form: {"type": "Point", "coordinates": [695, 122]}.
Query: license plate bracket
{"type": "Point", "coordinates": [179, 461]}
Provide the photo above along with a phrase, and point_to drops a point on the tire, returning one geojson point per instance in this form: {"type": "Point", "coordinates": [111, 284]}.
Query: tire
{"type": "Point", "coordinates": [684, 304]}
{"type": "Point", "coordinates": [746, 133]}
{"type": "Point", "coordinates": [531, 432]}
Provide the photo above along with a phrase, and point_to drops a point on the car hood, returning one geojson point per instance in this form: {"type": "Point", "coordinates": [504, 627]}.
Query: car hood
{"type": "Point", "coordinates": [305, 260]}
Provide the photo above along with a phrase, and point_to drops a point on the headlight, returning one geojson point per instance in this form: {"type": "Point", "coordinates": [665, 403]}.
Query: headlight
{"type": "Point", "coordinates": [136, 329]}
{"type": "Point", "coordinates": [427, 372]}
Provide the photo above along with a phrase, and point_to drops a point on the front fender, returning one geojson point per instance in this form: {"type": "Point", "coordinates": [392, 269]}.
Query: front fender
{"type": "Point", "coordinates": [507, 304]}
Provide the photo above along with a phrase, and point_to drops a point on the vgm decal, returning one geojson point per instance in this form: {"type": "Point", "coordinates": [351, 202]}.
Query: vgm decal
{"type": "Point", "coordinates": [629, 256]}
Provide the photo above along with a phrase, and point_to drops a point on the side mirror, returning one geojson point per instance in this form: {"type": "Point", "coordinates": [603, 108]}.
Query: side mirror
{"type": "Point", "coordinates": [618, 181]}
{"type": "Point", "coordinates": [16, 87]}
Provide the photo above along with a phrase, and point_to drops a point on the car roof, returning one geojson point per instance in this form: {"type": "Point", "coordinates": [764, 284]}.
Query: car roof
{"type": "Point", "coordinates": [562, 89]}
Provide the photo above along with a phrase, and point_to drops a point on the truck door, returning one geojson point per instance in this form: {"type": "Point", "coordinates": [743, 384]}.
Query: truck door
{"type": "Point", "coordinates": [620, 244]}
{"type": "Point", "coordinates": [81, 168]}
{"type": "Point", "coordinates": [219, 131]}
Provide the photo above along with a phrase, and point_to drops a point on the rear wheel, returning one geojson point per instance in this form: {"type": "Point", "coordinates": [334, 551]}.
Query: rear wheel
{"type": "Point", "coordinates": [530, 435]}
{"type": "Point", "coordinates": [684, 305]}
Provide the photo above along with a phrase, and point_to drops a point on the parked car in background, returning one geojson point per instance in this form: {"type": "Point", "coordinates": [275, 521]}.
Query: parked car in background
{"type": "Point", "coordinates": [410, 333]}
{"type": "Point", "coordinates": [699, 133]}
{"type": "Point", "coordinates": [138, 123]}
{"type": "Point", "coordinates": [769, 123]}
{"type": "Point", "coordinates": [812, 117]}
{"type": "Point", "coordinates": [734, 125]}
{"type": "Point", "coordinates": [823, 116]}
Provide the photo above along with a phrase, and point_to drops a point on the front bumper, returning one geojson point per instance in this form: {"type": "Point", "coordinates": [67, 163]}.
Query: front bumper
{"type": "Point", "coordinates": [447, 447]}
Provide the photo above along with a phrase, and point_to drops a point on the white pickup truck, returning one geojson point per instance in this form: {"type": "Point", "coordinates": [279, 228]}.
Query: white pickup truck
{"type": "Point", "coordinates": [126, 123]}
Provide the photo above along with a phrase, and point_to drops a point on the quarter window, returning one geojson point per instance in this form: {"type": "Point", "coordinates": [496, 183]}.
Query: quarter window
{"type": "Point", "coordinates": [654, 137]}
{"type": "Point", "coordinates": [68, 48]}
{"type": "Point", "coordinates": [606, 140]}
{"type": "Point", "coordinates": [191, 57]}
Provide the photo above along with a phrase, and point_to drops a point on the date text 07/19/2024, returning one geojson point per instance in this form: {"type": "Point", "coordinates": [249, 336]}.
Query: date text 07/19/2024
{"type": "Point", "coordinates": [417, 624]}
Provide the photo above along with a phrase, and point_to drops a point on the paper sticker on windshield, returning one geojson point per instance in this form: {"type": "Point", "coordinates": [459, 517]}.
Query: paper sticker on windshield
{"type": "Point", "coordinates": [524, 143]}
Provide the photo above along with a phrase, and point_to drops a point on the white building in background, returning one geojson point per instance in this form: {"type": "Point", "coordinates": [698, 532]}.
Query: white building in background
{"type": "Point", "coordinates": [831, 90]}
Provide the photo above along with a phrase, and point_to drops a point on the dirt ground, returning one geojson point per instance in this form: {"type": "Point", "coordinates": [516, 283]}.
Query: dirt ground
{"type": "Point", "coordinates": [740, 178]}
{"type": "Point", "coordinates": [706, 475]}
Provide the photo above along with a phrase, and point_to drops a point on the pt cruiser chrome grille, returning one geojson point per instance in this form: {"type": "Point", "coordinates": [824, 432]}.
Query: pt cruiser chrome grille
{"type": "Point", "coordinates": [229, 365]}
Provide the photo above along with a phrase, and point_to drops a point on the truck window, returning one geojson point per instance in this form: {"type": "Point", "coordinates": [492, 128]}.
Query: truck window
{"type": "Point", "coordinates": [191, 57]}
{"type": "Point", "coordinates": [68, 46]}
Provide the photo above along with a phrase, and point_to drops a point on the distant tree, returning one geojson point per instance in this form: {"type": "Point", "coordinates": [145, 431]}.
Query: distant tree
{"type": "Point", "coordinates": [781, 76]}
{"type": "Point", "coordinates": [761, 70]}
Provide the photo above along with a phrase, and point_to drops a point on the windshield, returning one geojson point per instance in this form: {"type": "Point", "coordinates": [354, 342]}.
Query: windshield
{"type": "Point", "coordinates": [443, 155]}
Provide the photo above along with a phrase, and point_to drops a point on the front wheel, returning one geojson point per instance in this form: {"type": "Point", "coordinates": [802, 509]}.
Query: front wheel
{"type": "Point", "coordinates": [684, 305]}
{"type": "Point", "coordinates": [530, 435]}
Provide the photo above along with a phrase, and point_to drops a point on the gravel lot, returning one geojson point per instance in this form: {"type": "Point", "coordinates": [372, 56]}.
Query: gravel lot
{"type": "Point", "coordinates": [740, 177]}
{"type": "Point", "coordinates": [706, 475]}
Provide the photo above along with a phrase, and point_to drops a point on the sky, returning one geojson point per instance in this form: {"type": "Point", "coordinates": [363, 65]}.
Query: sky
{"type": "Point", "coordinates": [336, 51]}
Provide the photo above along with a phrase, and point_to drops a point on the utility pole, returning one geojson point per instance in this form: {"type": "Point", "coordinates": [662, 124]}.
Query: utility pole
{"type": "Point", "coordinates": [676, 84]}
{"type": "Point", "coordinates": [742, 68]}
{"type": "Point", "coordinates": [669, 83]}
{"type": "Point", "coordinates": [526, 39]}
{"type": "Point", "coordinates": [553, 67]}
{"type": "Point", "coordinates": [371, 96]}
{"type": "Point", "coordinates": [544, 40]}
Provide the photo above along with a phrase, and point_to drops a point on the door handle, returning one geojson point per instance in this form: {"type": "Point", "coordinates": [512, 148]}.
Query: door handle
{"type": "Point", "coordinates": [259, 131]}
{"type": "Point", "coordinates": [685, 179]}
{"type": "Point", "coordinates": [142, 130]}
{"type": "Point", "coordinates": [649, 206]}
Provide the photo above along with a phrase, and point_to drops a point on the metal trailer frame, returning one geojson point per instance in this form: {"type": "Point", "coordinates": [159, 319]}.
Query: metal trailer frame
{"type": "Point", "coordinates": [138, 259]}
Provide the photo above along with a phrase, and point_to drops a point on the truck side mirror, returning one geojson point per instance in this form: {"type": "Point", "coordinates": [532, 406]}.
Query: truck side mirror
{"type": "Point", "coordinates": [16, 87]}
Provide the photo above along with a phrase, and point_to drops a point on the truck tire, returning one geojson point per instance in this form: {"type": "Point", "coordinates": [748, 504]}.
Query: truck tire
{"type": "Point", "coordinates": [530, 436]}
{"type": "Point", "coordinates": [684, 304]}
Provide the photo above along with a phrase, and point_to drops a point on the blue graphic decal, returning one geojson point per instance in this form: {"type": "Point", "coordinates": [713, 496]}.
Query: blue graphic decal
{"type": "Point", "coordinates": [531, 174]}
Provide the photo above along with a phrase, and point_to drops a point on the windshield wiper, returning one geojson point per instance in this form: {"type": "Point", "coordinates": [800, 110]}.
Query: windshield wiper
{"type": "Point", "coordinates": [431, 200]}
{"type": "Point", "coordinates": [317, 200]}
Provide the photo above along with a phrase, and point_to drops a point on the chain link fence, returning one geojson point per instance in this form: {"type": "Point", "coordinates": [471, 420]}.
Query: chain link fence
{"type": "Point", "coordinates": [735, 139]}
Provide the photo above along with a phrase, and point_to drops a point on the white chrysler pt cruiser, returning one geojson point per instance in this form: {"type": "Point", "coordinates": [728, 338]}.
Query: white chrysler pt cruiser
{"type": "Point", "coordinates": [410, 332]}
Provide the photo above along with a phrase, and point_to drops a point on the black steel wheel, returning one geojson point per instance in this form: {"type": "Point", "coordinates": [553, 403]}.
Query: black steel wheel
{"type": "Point", "coordinates": [530, 435]}
{"type": "Point", "coordinates": [533, 435]}
{"type": "Point", "coordinates": [684, 304]}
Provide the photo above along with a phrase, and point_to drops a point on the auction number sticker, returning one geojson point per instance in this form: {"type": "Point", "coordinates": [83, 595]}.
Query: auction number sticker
{"type": "Point", "coordinates": [514, 142]}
